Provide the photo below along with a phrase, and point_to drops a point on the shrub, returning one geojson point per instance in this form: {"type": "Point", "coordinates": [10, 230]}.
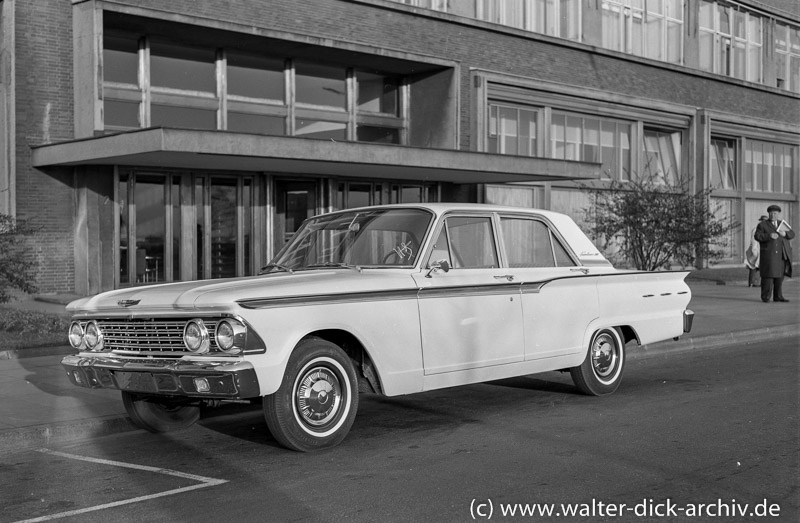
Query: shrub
{"type": "Point", "coordinates": [656, 221]}
{"type": "Point", "coordinates": [17, 270]}
{"type": "Point", "coordinates": [21, 321]}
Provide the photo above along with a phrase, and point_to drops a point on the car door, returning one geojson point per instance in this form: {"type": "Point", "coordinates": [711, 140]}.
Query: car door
{"type": "Point", "coordinates": [470, 315]}
{"type": "Point", "coordinates": [559, 299]}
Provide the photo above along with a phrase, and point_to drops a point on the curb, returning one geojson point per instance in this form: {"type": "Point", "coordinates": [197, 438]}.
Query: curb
{"type": "Point", "coordinates": [43, 435]}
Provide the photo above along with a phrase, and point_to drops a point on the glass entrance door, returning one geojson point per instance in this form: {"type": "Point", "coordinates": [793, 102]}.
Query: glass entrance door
{"type": "Point", "coordinates": [295, 201]}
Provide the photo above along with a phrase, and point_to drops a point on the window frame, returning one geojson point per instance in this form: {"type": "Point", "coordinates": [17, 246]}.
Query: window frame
{"type": "Point", "coordinates": [496, 251]}
{"type": "Point", "coordinates": [528, 16]}
{"type": "Point", "coordinates": [724, 41]}
{"type": "Point", "coordinates": [389, 127]}
{"type": "Point", "coordinates": [552, 238]}
{"type": "Point", "coordinates": [789, 54]}
{"type": "Point", "coordinates": [619, 150]}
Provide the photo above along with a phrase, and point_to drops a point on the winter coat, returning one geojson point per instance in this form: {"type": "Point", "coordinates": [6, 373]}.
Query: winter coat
{"type": "Point", "coordinates": [775, 253]}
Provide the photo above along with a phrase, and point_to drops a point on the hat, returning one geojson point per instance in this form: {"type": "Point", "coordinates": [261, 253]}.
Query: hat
{"type": "Point", "coordinates": [764, 217]}
{"type": "Point", "coordinates": [773, 208]}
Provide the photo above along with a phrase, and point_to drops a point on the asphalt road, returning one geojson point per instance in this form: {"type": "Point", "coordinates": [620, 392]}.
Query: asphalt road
{"type": "Point", "coordinates": [717, 427]}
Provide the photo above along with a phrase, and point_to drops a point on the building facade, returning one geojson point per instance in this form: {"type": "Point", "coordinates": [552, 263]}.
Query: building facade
{"type": "Point", "coordinates": [163, 141]}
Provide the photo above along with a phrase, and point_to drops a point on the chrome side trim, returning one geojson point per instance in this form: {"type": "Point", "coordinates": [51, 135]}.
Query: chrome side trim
{"type": "Point", "coordinates": [427, 292]}
{"type": "Point", "coordinates": [470, 290]}
{"type": "Point", "coordinates": [313, 299]}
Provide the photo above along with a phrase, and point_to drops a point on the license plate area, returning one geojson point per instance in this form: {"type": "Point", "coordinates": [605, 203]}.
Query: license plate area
{"type": "Point", "coordinates": [145, 382]}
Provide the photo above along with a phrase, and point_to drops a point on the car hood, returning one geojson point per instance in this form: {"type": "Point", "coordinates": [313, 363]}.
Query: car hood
{"type": "Point", "coordinates": [224, 294]}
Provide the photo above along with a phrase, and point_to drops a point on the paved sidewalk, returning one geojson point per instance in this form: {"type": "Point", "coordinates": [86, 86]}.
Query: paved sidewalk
{"type": "Point", "coordinates": [40, 406]}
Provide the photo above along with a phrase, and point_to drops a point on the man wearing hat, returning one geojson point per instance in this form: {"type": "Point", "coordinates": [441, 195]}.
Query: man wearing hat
{"type": "Point", "coordinates": [775, 257]}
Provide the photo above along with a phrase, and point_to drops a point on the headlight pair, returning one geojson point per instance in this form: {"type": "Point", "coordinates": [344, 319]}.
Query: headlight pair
{"type": "Point", "coordinates": [88, 336]}
{"type": "Point", "coordinates": [229, 336]}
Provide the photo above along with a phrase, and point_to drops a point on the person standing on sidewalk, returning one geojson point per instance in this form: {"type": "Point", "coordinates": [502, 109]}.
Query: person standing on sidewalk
{"type": "Point", "coordinates": [752, 254]}
{"type": "Point", "coordinates": [775, 257]}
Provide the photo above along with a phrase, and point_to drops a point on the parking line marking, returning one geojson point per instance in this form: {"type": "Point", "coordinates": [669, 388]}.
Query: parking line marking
{"type": "Point", "coordinates": [203, 483]}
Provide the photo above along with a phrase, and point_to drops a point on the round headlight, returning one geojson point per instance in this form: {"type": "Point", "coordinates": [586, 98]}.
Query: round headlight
{"type": "Point", "coordinates": [229, 336]}
{"type": "Point", "coordinates": [195, 336]}
{"type": "Point", "coordinates": [75, 335]}
{"type": "Point", "coordinates": [93, 337]}
{"type": "Point", "coordinates": [224, 335]}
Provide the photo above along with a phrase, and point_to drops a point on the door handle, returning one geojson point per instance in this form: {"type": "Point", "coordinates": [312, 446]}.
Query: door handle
{"type": "Point", "coordinates": [508, 277]}
{"type": "Point", "coordinates": [580, 269]}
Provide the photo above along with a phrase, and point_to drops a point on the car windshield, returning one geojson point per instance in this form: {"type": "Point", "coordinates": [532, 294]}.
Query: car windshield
{"type": "Point", "coordinates": [356, 239]}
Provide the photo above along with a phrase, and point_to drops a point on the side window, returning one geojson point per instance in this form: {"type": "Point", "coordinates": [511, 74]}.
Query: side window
{"type": "Point", "coordinates": [529, 243]}
{"type": "Point", "coordinates": [441, 251]}
{"type": "Point", "coordinates": [562, 258]}
{"type": "Point", "coordinates": [472, 242]}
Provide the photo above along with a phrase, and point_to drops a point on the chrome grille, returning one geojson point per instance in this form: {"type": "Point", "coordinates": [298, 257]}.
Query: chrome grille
{"type": "Point", "coordinates": [146, 335]}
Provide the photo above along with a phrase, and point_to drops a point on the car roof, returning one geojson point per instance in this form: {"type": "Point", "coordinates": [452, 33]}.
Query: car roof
{"type": "Point", "coordinates": [442, 208]}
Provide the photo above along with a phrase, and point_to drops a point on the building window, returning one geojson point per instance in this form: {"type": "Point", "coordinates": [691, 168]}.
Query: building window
{"type": "Point", "coordinates": [145, 213]}
{"type": "Point", "coordinates": [351, 194]}
{"type": "Point", "coordinates": [561, 18]}
{"type": "Point", "coordinates": [651, 29]}
{"type": "Point", "coordinates": [436, 5]}
{"type": "Point", "coordinates": [590, 139]}
{"type": "Point", "coordinates": [378, 108]}
{"type": "Point", "coordinates": [787, 55]}
{"type": "Point", "coordinates": [726, 210]}
{"type": "Point", "coordinates": [229, 89]}
{"type": "Point", "coordinates": [623, 26]}
{"type": "Point", "coordinates": [512, 130]}
{"type": "Point", "coordinates": [768, 167]}
{"type": "Point", "coordinates": [152, 237]}
{"type": "Point", "coordinates": [722, 155]}
{"type": "Point", "coordinates": [183, 87]}
{"type": "Point", "coordinates": [662, 155]}
{"type": "Point", "coordinates": [255, 88]}
{"type": "Point", "coordinates": [122, 94]}
{"type": "Point", "coordinates": [730, 41]}
{"type": "Point", "coordinates": [504, 12]}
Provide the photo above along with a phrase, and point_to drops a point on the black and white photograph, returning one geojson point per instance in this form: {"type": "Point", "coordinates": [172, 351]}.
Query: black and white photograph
{"type": "Point", "coordinates": [399, 260]}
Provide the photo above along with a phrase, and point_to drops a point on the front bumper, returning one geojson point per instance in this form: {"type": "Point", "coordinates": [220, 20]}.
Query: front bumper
{"type": "Point", "coordinates": [212, 379]}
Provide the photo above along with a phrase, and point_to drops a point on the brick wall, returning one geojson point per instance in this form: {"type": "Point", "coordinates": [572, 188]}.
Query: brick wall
{"type": "Point", "coordinates": [44, 114]}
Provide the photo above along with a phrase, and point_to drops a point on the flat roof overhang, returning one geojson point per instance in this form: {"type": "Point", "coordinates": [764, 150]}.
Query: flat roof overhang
{"type": "Point", "coordinates": [228, 151]}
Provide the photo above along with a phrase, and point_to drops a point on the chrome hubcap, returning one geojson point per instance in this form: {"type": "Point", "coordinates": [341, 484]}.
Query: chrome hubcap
{"type": "Point", "coordinates": [604, 356]}
{"type": "Point", "coordinates": [319, 397]}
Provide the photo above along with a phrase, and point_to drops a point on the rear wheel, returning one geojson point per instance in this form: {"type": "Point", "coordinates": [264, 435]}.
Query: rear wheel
{"type": "Point", "coordinates": [317, 401]}
{"type": "Point", "coordinates": [158, 414]}
{"type": "Point", "coordinates": [601, 371]}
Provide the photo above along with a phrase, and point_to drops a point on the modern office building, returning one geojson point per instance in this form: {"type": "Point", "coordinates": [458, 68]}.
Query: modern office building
{"type": "Point", "coordinates": [164, 141]}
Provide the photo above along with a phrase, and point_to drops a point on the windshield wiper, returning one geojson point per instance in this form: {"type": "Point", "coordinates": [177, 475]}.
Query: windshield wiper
{"type": "Point", "coordinates": [333, 264]}
{"type": "Point", "coordinates": [273, 266]}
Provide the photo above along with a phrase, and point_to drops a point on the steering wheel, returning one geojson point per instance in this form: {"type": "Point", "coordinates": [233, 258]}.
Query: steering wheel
{"type": "Point", "coordinates": [402, 251]}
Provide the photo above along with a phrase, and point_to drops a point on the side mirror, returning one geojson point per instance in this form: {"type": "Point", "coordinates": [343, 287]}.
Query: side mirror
{"type": "Point", "coordinates": [441, 265]}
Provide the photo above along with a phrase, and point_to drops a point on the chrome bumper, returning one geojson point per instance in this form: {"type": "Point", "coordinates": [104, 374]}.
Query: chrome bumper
{"type": "Point", "coordinates": [688, 318]}
{"type": "Point", "coordinates": [213, 379]}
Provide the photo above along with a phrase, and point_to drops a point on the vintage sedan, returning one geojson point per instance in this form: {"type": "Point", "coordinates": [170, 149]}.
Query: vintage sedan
{"type": "Point", "coordinates": [388, 300]}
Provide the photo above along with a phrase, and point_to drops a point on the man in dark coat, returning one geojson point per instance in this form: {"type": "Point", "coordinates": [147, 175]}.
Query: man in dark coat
{"type": "Point", "coordinates": [776, 254]}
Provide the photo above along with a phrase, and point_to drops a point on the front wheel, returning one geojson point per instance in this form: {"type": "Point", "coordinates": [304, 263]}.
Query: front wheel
{"type": "Point", "coordinates": [601, 371]}
{"type": "Point", "coordinates": [316, 403]}
{"type": "Point", "coordinates": [159, 414]}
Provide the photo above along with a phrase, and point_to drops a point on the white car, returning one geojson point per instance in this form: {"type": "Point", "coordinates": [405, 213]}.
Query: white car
{"type": "Point", "coordinates": [390, 300]}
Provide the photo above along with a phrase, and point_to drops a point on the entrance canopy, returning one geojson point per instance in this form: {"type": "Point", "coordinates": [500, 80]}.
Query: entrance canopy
{"type": "Point", "coordinates": [228, 151]}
